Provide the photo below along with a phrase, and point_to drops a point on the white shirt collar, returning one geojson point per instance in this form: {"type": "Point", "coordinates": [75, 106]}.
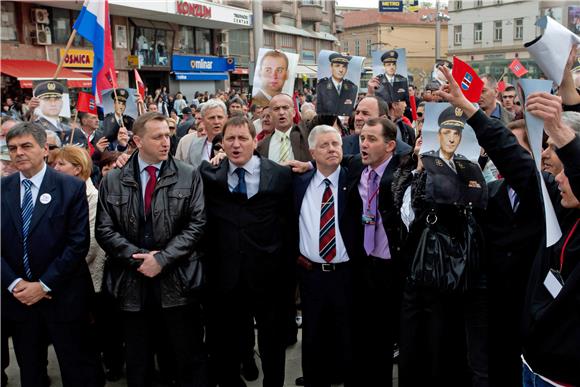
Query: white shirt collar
{"type": "Point", "coordinates": [280, 134]}
{"type": "Point", "coordinates": [250, 167]}
{"type": "Point", "coordinates": [333, 177]}
{"type": "Point", "coordinates": [336, 83]}
{"type": "Point", "coordinates": [143, 164]}
{"type": "Point", "coordinates": [36, 179]}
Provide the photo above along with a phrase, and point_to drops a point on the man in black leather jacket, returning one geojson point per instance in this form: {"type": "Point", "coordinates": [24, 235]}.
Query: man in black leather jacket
{"type": "Point", "coordinates": [150, 220]}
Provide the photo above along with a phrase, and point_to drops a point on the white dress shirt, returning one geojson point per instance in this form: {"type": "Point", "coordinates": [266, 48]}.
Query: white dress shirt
{"type": "Point", "coordinates": [449, 163]}
{"type": "Point", "coordinates": [252, 177]}
{"type": "Point", "coordinates": [276, 144]}
{"type": "Point", "coordinates": [144, 175]}
{"type": "Point", "coordinates": [310, 219]}
{"type": "Point", "coordinates": [206, 153]}
{"type": "Point", "coordinates": [337, 85]}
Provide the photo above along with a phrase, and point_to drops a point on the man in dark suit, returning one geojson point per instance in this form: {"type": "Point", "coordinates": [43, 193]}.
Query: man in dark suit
{"type": "Point", "coordinates": [335, 94]}
{"type": "Point", "coordinates": [113, 121]}
{"type": "Point", "coordinates": [324, 264]}
{"type": "Point", "coordinates": [250, 257]}
{"type": "Point", "coordinates": [287, 142]}
{"type": "Point", "coordinates": [388, 85]}
{"type": "Point", "coordinates": [46, 283]}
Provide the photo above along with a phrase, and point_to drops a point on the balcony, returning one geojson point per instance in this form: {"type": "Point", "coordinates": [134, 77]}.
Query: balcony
{"type": "Point", "coordinates": [245, 4]}
{"type": "Point", "coordinates": [272, 6]}
{"type": "Point", "coordinates": [339, 22]}
{"type": "Point", "coordinates": [311, 11]}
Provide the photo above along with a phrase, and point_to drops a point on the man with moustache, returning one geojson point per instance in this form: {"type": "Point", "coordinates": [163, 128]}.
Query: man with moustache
{"type": "Point", "coordinates": [150, 220]}
{"type": "Point", "coordinates": [250, 254]}
{"type": "Point", "coordinates": [194, 149]}
{"type": "Point", "coordinates": [288, 141]}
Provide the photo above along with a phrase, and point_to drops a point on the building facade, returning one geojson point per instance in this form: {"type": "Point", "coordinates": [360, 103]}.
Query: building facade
{"type": "Point", "coordinates": [490, 34]}
{"type": "Point", "coordinates": [370, 30]}
{"type": "Point", "coordinates": [174, 43]}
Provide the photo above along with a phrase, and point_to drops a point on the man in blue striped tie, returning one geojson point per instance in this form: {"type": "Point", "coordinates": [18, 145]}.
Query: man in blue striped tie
{"type": "Point", "coordinates": [46, 283]}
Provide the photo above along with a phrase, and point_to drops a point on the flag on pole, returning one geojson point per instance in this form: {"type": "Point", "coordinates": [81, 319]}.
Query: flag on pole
{"type": "Point", "coordinates": [517, 68]}
{"type": "Point", "coordinates": [86, 103]}
{"type": "Point", "coordinates": [140, 85]}
{"type": "Point", "coordinates": [296, 118]}
{"type": "Point", "coordinates": [94, 25]}
{"type": "Point", "coordinates": [466, 77]}
{"type": "Point", "coordinates": [501, 86]}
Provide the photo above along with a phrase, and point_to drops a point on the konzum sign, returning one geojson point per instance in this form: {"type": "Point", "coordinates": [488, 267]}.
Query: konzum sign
{"type": "Point", "coordinates": [191, 9]}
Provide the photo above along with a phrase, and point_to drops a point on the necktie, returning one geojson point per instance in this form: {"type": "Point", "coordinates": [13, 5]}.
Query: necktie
{"type": "Point", "coordinates": [451, 164]}
{"type": "Point", "coordinates": [27, 209]}
{"type": "Point", "coordinates": [327, 240]}
{"type": "Point", "coordinates": [514, 199]}
{"type": "Point", "coordinates": [152, 171]}
{"type": "Point", "coordinates": [241, 187]}
{"type": "Point", "coordinates": [284, 148]}
{"type": "Point", "coordinates": [371, 213]}
{"type": "Point", "coordinates": [338, 87]}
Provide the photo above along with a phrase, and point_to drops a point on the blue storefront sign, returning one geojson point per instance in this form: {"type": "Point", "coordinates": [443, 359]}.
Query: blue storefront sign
{"type": "Point", "coordinates": [201, 68]}
{"type": "Point", "coordinates": [391, 6]}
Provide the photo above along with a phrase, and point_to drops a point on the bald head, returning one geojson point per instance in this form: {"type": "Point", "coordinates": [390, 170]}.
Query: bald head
{"type": "Point", "coordinates": [282, 108]}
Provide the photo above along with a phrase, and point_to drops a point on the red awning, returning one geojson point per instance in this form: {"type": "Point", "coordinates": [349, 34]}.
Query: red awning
{"type": "Point", "coordinates": [27, 71]}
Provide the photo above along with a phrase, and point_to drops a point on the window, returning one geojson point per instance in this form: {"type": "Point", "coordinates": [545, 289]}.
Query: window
{"type": "Point", "coordinates": [8, 29]}
{"type": "Point", "coordinates": [186, 43]}
{"type": "Point", "coordinates": [519, 29]}
{"type": "Point", "coordinates": [308, 26]}
{"type": "Point", "coordinates": [477, 32]}
{"type": "Point", "coordinates": [369, 47]}
{"type": "Point", "coordinates": [269, 39]}
{"type": "Point", "coordinates": [324, 28]}
{"type": "Point", "coordinates": [345, 46]}
{"type": "Point", "coordinates": [308, 50]}
{"type": "Point", "coordinates": [194, 40]}
{"type": "Point", "coordinates": [60, 23]}
{"type": "Point", "coordinates": [457, 35]}
{"type": "Point", "coordinates": [203, 41]}
{"type": "Point", "coordinates": [287, 21]}
{"type": "Point", "coordinates": [497, 31]}
{"type": "Point", "coordinates": [268, 18]}
{"type": "Point", "coordinates": [153, 46]}
{"type": "Point", "coordinates": [478, 3]}
{"type": "Point", "coordinates": [458, 4]}
{"type": "Point", "coordinates": [311, 2]}
{"type": "Point", "coordinates": [239, 46]}
{"type": "Point", "coordinates": [356, 47]}
{"type": "Point", "coordinates": [287, 42]}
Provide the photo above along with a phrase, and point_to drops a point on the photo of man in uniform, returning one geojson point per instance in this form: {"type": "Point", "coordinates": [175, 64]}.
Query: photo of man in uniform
{"type": "Point", "coordinates": [116, 119]}
{"type": "Point", "coordinates": [49, 109]}
{"type": "Point", "coordinates": [336, 94]}
{"type": "Point", "coordinates": [451, 124]}
{"type": "Point", "coordinates": [272, 74]}
{"type": "Point", "coordinates": [390, 85]}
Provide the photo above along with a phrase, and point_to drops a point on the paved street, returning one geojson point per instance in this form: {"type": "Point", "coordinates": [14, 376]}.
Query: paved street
{"type": "Point", "coordinates": [293, 369]}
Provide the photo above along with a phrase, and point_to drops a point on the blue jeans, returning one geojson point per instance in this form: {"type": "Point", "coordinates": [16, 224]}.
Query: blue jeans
{"type": "Point", "coordinates": [531, 379]}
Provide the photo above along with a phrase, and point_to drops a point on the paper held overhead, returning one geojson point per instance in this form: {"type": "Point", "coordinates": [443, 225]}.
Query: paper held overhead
{"type": "Point", "coordinates": [550, 50]}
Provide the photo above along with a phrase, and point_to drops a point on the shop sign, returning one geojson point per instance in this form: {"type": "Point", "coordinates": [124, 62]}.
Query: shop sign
{"type": "Point", "coordinates": [133, 60]}
{"type": "Point", "coordinates": [205, 10]}
{"type": "Point", "coordinates": [77, 58]}
{"type": "Point", "coordinates": [202, 63]}
{"type": "Point", "coordinates": [391, 6]}
{"type": "Point", "coordinates": [193, 9]}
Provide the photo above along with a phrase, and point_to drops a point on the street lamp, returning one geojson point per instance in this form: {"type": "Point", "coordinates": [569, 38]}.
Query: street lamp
{"type": "Point", "coordinates": [438, 16]}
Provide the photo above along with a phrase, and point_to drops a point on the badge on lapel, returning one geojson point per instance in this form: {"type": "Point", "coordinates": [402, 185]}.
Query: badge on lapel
{"type": "Point", "coordinates": [45, 198]}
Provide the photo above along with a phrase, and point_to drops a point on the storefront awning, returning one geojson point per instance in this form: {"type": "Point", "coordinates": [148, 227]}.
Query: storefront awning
{"type": "Point", "coordinates": [27, 71]}
{"type": "Point", "coordinates": [310, 71]}
{"type": "Point", "coordinates": [199, 76]}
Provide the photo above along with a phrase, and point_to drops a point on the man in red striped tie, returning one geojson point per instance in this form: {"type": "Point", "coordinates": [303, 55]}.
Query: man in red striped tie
{"type": "Point", "coordinates": [325, 269]}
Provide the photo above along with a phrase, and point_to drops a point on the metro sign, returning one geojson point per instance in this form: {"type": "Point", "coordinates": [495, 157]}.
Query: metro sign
{"type": "Point", "coordinates": [192, 9]}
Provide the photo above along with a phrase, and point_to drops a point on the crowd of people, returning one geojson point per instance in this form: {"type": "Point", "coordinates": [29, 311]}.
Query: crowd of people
{"type": "Point", "coordinates": [157, 247]}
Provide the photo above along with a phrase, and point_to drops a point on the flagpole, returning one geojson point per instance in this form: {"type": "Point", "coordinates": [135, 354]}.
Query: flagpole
{"type": "Point", "coordinates": [61, 62]}
{"type": "Point", "coordinates": [72, 133]}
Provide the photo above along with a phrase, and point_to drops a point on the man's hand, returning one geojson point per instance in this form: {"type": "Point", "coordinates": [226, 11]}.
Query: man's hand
{"type": "Point", "coordinates": [372, 85]}
{"type": "Point", "coordinates": [123, 136]}
{"type": "Point", "coordinates": [102, 144]}
{"type": "Point", "coordinates": [549, 108]}
{"type": "Point", "coordinates": [121, 160]}
{"type": "Point", "coordinates": [298, 166]}
{"type": "Point", "coordinates": [34, 103]}
{"type": "Point", "coordinates": [149, 268]}
{"type": "Point", "coordinates": [29, 293]}
{"type": "Point", "coordinates": [452, 94]}
{"type": "Point", "coordinates": [219, 156]}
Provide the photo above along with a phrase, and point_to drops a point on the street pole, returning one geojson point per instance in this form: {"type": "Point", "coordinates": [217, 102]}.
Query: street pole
{"type": "Point", "coordinates": [437, 30]}
{"type": "Point", "coordinates": [258, 27]}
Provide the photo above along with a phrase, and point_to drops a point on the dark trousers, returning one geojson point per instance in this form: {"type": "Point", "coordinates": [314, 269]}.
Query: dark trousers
{"type": "Point", "coordinates": [73, 344]}
{"type": "Point", "coordinates": [181, 328]}
{"type": "Point", "coordinates": [228, 321]}
{"type": "Point", "coordinates": [377, 305]}
{"type": "Point", "coordinates": [109, 336]}
{"type": "Point", "coordinates": [444, 338]}
{"type": "Point", "coordinates": [327, 326]}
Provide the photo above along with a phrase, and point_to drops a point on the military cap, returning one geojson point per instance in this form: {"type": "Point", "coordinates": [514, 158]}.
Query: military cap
{"type": "Point", "coordinates": [339, 58]}
{"type": "Point", "coordinates": [452, 118]}
{"type": "Point", "coordinates": [122, 95]}
{"type": "Point", "coordinates": [390, 56]}
{"type": "Point", "coordinates": [48, 89]}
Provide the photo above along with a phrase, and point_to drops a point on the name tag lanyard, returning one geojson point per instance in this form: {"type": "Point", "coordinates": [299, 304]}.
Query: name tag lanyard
{"type": "Point", "coordinates": [369, 218]}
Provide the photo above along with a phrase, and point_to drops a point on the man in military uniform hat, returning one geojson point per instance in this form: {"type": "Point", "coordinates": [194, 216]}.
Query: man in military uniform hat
{"type": "Point", "coordinates": [50, 94]}
{"type": "Point", "coordinates": [113, 121]}
{"type": "Point", "coordinates": [390, 86]}
{"type": "Point", "coordinates": [335, 94]}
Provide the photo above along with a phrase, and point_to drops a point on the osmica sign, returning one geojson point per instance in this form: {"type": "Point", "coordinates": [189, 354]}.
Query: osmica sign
{"type": "Point", "coordinates": [77, 59]}
{"type": "Point", "coordinates": [192, 9]}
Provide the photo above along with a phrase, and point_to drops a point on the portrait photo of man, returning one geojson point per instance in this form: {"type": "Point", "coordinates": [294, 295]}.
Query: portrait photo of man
{"type": "Point", "coordinates": [52, 105]}
{"type": "Point", "coordinates": [336, 94]}
{"type": "Point", "coordinates": [120, 111]}
{"type": "Point", "coordinates": [274, 74]}
{"type": "Point", "coordinates": [390, 81]}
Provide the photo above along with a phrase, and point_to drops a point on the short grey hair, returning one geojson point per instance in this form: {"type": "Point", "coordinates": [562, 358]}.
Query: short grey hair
{"type": "Point", "coordinates": [25, 129]}
{"type": "Point", "coordinates": [572, 119]}
{"type": "Point", "coordinates": [212, 104]}
{"type": "Point", "coordinates": [318, 130]}
{"type": "Point", "coordinates": [52, 134]}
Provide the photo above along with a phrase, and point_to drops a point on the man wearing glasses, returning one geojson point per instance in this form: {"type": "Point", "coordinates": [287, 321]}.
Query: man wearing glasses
{"type": "Point", "coordinates": [273, 73]}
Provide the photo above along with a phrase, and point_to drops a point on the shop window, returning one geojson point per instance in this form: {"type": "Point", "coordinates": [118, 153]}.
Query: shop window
{"type": "Point", "coordinates": [203, 41]}
{"type": "Point", "coordinates": [61, 28]}
{"type": "Point", "coordinates": [153, 45]}
{"type": "Point", "coordinates": [186, 41]}
{"type": "Point", "coordinates": [8, 27]}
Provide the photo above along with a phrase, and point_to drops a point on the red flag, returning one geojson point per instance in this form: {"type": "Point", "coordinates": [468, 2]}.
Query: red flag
{"type": "Point", "coordinates": [296, 110]}
{"type": "Point", "coordinates": [140, 85]}
{"type": "Point", "coordinates": [112, 78]}
{"type": "Point", "coordinates": [501, 86]}
{"type": "Point", "coordinates": [86, 103]}
{"type": "Point", "coordinates": [517, 68]}
{"type": "Point", "coordinates": [413, 103]}
{"type": "Point", "coordinates": [467, 79]}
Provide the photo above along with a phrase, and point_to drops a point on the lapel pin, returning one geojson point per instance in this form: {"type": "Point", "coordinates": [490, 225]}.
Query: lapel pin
{"type": "Point", "coordinates": [45, 198]}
